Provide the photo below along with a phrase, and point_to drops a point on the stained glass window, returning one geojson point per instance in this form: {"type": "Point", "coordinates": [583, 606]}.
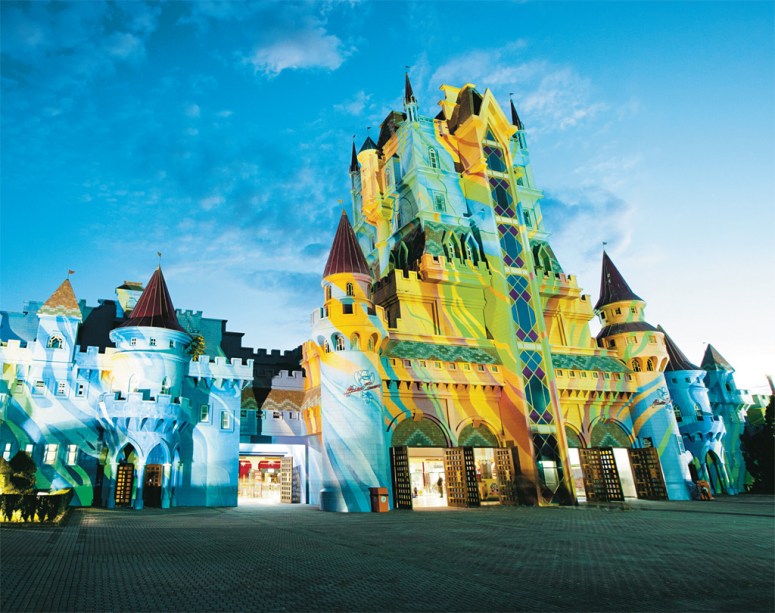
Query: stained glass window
{"type": "Point", "coordinates": [511, 247]}
{"type": "Point", "coordinates": [501, 197]}
{"type": "Point", "coordinates": [496, 161]}
{"type": "Point", "coordinates": [522, 311]}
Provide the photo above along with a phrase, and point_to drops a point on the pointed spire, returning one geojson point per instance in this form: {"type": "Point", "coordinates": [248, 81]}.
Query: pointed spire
{"type": "Point", "coordinates": [354, 165]}
{"type": "Point", "coordinates": [346, 254]}
{"type": "Point", "coordinates": [613, 287]}
{"type": "Point", "coordinates": [368, 144]}
{"type": "Point", "coordinates": [676, 358]}
{"type": "Point", "coordinates": [62, 302]}
{"type": "Point", "coordinates": [154, 309]}
{"type": "Point", "coordinates": [408, 93]}
{"type": "Point", "coordinates": [515, 117]}
{"type": "Point", "coordinates": [713, 360]}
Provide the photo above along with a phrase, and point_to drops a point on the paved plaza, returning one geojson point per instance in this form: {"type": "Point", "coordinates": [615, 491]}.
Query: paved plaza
{"type": "Point", "coordinates": [672, 556]}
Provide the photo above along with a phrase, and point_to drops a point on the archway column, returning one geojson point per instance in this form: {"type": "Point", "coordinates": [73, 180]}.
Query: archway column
{"type": "Point", "coordinates": [110, 503]}
{"type": "Point", "coordinates": [165, 486]}
{"type": "Point", "coordinates": [139, 479]}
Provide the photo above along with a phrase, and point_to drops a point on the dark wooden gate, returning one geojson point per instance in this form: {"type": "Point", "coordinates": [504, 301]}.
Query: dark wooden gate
{"type": "Point", "coordinates": [402, 484]}
{"type": "Point", "coordinates": [152, 485]}
{"type": "Point", "coordinates": [460, 474]}
{"type": "Point", "coordinates": [289, 493]}
{"type": "Point", "coordinates": [125, 477]}
{"type": "Point", "coordinates": [647, 472]}
{"type": "Point", "coordinates": [506, 469]}
{"type": "Point", "coordinates": [601, 479]}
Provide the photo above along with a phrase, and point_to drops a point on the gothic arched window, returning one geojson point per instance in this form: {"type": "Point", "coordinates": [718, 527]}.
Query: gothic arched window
{"type": "Point", "coordinates": [433, 158]}
{"type": "Point", "coordinates": [55, 342]}
{"type": "Point", "coordinates": [636, 365]}
{"type": "Point", "coordinates": [328, 292]}
{"type": "Point", "coordinates": [650, 364]}
{"type": "Point", "coordinates": [339, 340]}
{"type": "Point", "coordinates": [350, 289]}
{"type": "Point", "coordinates": [355, 342]}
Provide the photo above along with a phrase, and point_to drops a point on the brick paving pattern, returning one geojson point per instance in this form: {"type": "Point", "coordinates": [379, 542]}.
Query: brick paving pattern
{"type": "Point", "coordinates": [701, 556]}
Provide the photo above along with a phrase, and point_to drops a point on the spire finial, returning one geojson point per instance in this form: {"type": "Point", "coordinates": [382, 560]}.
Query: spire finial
{"type": "Point", "coordinates": [70, 271]}
{"type": "Point", "coordinates": [408, 92]}
{"type": "Point", "coordinates": [159, 254]}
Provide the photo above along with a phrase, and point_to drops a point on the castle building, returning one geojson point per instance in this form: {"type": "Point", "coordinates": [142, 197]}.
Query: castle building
{"type": "Point", "coordinates": [108, 401]}
{"type": "Point", "coordinates": [450, 361]}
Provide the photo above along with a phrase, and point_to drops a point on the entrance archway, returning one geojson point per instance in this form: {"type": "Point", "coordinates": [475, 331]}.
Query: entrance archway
{"type": "Point", "coordinates": [153, 477]}
{"type": "Point", "coordinates": [484, 441]}
{"type": "Point", "coordinates": [125, 475]}
{"type": "Point", "coordinates": [715, 473]}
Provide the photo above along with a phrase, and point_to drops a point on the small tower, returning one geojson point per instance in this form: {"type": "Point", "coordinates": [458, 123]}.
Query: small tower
{"type": "Point", "coordinates": [641, 347]}
{"type": "Point", "coordinates": [347, 336]}
{"type": "Point", "coordinates": [58, 321]}
{"type": "Point", "coordinates": [151, 345]}
{"type": "Point", "coordinates": [410, 102]}
{"type": "Point", "coordinates": [701, 430]}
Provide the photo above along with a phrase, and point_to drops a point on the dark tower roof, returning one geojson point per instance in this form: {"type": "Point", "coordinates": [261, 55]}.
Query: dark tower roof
{"type": "Point", "coordinates": [154, 309]}
{"type": "Point", "coordinates": [676, 358]}
{"type": "Point", "coordinates": [346, 254]}
{"type": "Point", "coordinates": [515, 117]}
{"type": "Point", "coordinates": [62, 302]}
{"type": "Point", "coordinates": [368, 144]}
{"type": "Point", "coordinates": [613, 287]}
{"type": "Point", "coordinates": [713, 360]}
{"type": "Point", "coordinates": [354, 165]}
{"type": "Point", "coordinates": [408, 93]}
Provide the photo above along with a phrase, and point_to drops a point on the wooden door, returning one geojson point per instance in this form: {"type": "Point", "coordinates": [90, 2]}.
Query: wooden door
{"type": "Point", "coordinates": [402, 484]}
{"type": "Point", "coordinates": [460, 472]}
{"type": "Point", "coordinates": [125, 478]}
{"type": "Point", "coordinates": [601, 479]}
{"type": "Point", "coordinates": [152, 485]}
{"type": "Point", "coordinates": [506, 468]}
{"type": "Point", "coordinates": [647, 472]}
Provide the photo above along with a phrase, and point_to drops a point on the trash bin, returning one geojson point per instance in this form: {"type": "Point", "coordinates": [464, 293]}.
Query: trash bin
{"type": "Point", "coordinates": [379, 499]}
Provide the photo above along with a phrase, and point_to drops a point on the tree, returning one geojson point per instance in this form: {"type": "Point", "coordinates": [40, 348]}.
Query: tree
{"type": "Point", "coordinates": [759, 452]}
{"type": "Point", "coordinates": [196, 347]}
{"type": "Point", "coordinates": [23, 471]}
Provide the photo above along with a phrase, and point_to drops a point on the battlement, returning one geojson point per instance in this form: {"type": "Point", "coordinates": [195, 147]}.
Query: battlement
{"type": "Point", "coordinates": [189, 313]}
{"type": "Point", "coordinates": [134, 406]}
{"type": "Point", "coordinates": [220, 367]}
{"type": "Point", "coordinates": [288, 380]}
{"type": "Point", "coordinates": [14, 350]}
{"type": "Point", "coordinates": [560, 277]}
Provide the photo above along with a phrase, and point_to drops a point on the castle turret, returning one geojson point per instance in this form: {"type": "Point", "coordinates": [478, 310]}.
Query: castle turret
{"type": "Point", "coordinates": [410, 102]}
{"type": "Point", "coordinates": [151, 345]}
{"type": "Point", "coordinates": [642, 348]}
{"type": "Point", "coordinates": [702, 431]}
{"type": "Point", "coordinates": [58, 321]}
{"type": "Point", "coordinates": [347, 336]}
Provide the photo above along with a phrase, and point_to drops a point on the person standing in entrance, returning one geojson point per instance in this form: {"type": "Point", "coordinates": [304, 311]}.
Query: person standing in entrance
{"type": "Point", "coordinates": [440, 485]}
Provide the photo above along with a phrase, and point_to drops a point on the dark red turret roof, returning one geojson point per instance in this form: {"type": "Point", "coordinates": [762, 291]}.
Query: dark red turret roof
{"type": "Point", "coordinates": [713, 360]}
{"type": "Point", "coordinates": [408, 93]}
{"type": "Point", "coordinates": [346, 254]}
{"type": "Point", "coordinates": [676, 358]}
{"type": "Point", "coordinates": [613, 287]}
{"type": "Point", "coordinates": [154, 309]}
{"type": "Point", "coordinates": [515, 120]}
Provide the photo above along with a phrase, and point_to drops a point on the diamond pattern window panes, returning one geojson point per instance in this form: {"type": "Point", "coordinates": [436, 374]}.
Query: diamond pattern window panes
{"type": "Point", "coordinates": [503, 203]}
{"type": "Point", "coordinates": [511, 246]}
{"type": "Point", "coordinates": [522, 311]}
{"type": "Point", "coordinates": [495, 159]}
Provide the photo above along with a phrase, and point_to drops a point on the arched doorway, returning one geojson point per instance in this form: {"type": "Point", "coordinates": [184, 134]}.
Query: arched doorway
{"type": "Point", "coordinates": [125, 475]}
{"type": "Point", "coordinates": [608, 473]}
{"type": "Point", "coordinates": [483, 441]}
{"type": "Point", "coordinates": [417, 463]}
{"type": "Point", "coordinates": [153, 477]}
{"type": "Point", "coordinates": [715, 473]}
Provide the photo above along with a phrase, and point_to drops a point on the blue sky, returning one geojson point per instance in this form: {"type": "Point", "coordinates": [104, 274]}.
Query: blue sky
{"type": "Point", "coordinates": [219, 134]}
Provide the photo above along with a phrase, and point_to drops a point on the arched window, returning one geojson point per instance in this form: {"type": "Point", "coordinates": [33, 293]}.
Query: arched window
{"type": "Point", "coordinates": [650, 364]}
{"type": "Point", "coordinates": [355, 342]}
{"type": "Point", "coordinates": [350, 289]}
{"type": "Point", "coordinates": [165, 386]}
{"type": "Point", "coordinates": [372, 342]}
{"type": "Point", "coordinates": [339, 340]}
{"type": "Point", "coordinates": [433, 158]}
{"type": "Point", "coordinates": [326, 347]}
{"type": "Point", "coordinates": [328, 292]}
{"type": "Point", "coordinates": [451, 247]}
{"type": "Point", "coordinates": [55, 342]}
{"type": "Point", "coordinates": [636, 365]}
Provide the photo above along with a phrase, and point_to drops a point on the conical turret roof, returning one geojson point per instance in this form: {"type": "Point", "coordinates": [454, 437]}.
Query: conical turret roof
{"type": "Point", "coordinates": [62, 302]}
{"type": "Point", "coordinates": [713, 360]}
{"type": "Point", "coordinates": [154, 309]}
{"type": "Point", "coordinates": [408, 93]}
{"type": "Point", "coordinates": [676, 358]}
{"type": "Point", "coordinates": [515, 120]}
{"type": "Point", "coordinates": [613, 287]}
{"type": "Point", "coordinates": [346, 254]}
{"type": "Point", "coordinates": [354, 165]}
{"type": "Point", "coordinates": [368, 144]}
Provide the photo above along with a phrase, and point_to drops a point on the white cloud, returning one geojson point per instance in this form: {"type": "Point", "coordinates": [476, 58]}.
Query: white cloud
{"type": "Point", "coordinates": [310, 48]}
{"type": "Point", "coordinates": [193, 110]}
{"type": "Point", "coordinates": [355, 106]}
